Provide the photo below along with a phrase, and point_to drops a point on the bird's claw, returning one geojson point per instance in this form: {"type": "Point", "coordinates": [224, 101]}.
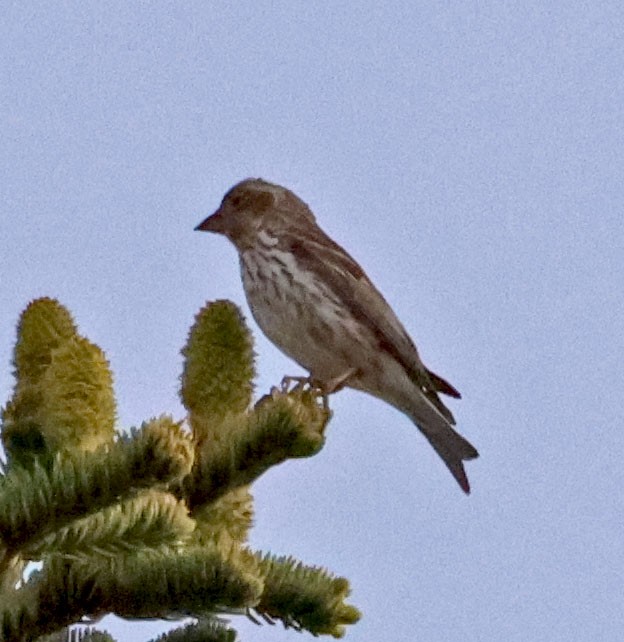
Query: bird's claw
{"type": "Point", "coordinates": [304, 384]}
{"type": "Point", "coordinates": [318, 388]}
{"type": "Point", "coordinates": [300, 384]}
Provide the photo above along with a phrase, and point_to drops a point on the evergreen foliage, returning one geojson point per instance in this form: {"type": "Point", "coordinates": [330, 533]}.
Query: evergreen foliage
{"type": "Point", "coordinates": [152, 522]}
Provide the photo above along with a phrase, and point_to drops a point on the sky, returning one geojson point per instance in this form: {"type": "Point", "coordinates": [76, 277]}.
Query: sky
{"type": "Point", "coordinates": [470, 156]}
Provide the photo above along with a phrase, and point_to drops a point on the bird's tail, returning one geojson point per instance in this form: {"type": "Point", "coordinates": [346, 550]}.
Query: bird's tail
{"type": "Point", "coordinates": [449, 444]}
{"type": "Point", "coordinates": [454, 449]}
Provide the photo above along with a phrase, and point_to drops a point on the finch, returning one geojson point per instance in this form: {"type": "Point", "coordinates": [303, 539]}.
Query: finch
{"type": "Point", "coordinates": [316, 304]}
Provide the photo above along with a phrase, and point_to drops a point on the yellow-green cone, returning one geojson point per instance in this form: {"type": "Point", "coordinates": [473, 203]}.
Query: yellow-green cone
{"type": "Point", "coordinates": [63, 396]}
{"type": "Point", "coordinates": [219, 362]}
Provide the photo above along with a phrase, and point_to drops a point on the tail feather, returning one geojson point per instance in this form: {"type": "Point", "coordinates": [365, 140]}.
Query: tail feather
{"type": "Point", "coordinates": [442, 385]}
{"type": "Point", "coordinates": [452, 448]}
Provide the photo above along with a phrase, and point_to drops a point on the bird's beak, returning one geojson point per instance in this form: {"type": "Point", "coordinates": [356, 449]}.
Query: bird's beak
{"type": "Point", "coordinates": [214, 223]}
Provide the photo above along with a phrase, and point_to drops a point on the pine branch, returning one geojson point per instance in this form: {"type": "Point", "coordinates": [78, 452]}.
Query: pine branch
{"type": "Point", "coordinates": [77, 635]}
{"type": "Point", "coordinates": [37, 502]}
{"type": "Point", "coordinates": [152, 520]}
{"type": "Point", "coordinates": [200, 580]}
{"type": "Point", "coordinates": [304, 597]}
{"type": "Point", "coordinates": [204, 631]}
{"type": "Point", "coordinates": [282, 426]}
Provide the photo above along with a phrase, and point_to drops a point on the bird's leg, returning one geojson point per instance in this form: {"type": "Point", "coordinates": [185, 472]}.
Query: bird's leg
{"type": "Point", "coordinates": [337, 383]}
{"type": "Point", "coordinates": [330, 386]}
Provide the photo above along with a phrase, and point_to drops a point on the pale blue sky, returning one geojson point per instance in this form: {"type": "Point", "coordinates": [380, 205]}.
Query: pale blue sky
{"type": "Point", "coordinates": [471, 156]}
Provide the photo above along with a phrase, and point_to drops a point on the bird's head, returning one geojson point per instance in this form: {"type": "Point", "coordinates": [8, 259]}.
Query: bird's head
{"type": "Point", "coordinates": [253, 207]}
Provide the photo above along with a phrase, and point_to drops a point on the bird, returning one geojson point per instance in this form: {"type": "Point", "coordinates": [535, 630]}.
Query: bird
{"type": "Point", "coordinates": [317, 305]}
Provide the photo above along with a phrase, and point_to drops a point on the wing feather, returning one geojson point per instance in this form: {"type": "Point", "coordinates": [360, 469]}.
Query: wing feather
{"type": "Point", "coordinates": [319, 254]}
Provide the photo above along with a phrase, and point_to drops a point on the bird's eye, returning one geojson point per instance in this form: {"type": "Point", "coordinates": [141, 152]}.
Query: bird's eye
{"type": "Point", "coordinates": [240, 200]}
{"type": "Point", "coordinates": [261, 201]}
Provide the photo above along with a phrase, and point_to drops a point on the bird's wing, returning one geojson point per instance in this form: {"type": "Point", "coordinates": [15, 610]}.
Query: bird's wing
{"type": "Point", "coordinates": [316, 252]}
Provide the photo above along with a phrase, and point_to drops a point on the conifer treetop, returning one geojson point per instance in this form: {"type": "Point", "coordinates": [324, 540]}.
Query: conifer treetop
{"type": "Point", "coordinates": [150, 522]}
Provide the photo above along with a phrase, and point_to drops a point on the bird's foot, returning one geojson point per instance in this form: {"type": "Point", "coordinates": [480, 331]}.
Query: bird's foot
{"type": "Point", "coordinates": [310, 384]}
{"type": "Point", "coordinates": [286, 386]}
{"type": "Point", "coordinates": [300, 383]}
{"type": "Point", "coordinates": [316, 386]}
